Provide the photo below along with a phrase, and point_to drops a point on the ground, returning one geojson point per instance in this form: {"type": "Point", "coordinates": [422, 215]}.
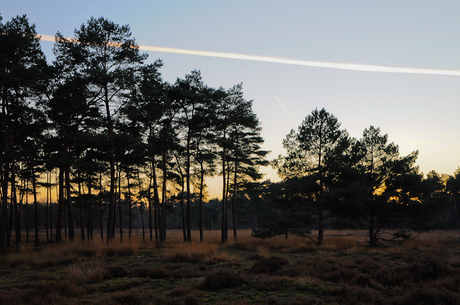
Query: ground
{"type": "Point", "coordinates": [425, 270]}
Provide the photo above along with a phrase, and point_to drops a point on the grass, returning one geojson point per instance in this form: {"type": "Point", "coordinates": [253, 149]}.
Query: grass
{"type": "Point", "coordinates": [425, 270]}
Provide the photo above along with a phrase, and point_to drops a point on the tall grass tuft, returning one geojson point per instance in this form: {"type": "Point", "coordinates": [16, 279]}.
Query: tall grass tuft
{"type": "Point", "coordinates": [87, 273]}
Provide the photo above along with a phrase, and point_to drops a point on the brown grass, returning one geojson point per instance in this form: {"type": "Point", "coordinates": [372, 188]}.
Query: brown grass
{"type": "Point", "coordinates": [86, 273]}
{"type": "Point", "coordinates": [344, 270]}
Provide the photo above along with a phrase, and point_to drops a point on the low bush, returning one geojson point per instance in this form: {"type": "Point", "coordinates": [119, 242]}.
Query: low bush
{"type": "Point", "coordinates": [428, 296]}
{"type": "Point", "coordinates": [221, 279]}
{"type": "Point", "coordinates": [269, 264]}
{"type": "Point", "coordinates": [114, 271]}
{"type": "Point", "coordinates": [154, 273]}
{"type": "Point", "coordinates": [135, 296]}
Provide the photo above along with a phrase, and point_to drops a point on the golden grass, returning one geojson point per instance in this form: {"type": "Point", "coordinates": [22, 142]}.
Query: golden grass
{"type": "Point", "coordinates": [196, 252]}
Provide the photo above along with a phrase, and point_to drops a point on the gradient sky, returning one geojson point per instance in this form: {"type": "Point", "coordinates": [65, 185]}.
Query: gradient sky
{"type": "Point", "coordinates": [417, 111]}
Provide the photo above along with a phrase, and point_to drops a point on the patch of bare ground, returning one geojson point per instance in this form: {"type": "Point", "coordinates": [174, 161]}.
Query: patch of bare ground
{"type": "Point", "coordinates": [425, 270]}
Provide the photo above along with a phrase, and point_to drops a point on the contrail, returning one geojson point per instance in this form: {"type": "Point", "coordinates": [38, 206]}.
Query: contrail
{"type": "Point", "coordinates": [283, 107]}
{"type": "Point", "coordinates": [318, 64]}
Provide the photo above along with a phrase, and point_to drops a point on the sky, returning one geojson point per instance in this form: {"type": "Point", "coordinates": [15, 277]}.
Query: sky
{"type": "Point", "coordinates": [418, 111]}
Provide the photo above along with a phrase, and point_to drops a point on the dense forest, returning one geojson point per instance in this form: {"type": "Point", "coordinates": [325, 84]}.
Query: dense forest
{"type": "Point", "coordinates": [98, 141]}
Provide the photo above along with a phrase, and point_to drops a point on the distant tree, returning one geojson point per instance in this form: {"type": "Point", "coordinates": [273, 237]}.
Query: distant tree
{"type": "Point", "coordinates": [453, 188]}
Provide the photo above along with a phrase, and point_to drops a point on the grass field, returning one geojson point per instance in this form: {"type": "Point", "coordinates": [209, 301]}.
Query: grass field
{"type": "Point", "coordinates": [425, 270]}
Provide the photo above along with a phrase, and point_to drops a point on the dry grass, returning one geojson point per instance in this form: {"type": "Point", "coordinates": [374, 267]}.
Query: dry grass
{"type": "Point", "coordinates": [86, 273]}
{"type": "Point", "coordinates": [344, 270]}
{"type": "Point", "coordinates": [196, 252]}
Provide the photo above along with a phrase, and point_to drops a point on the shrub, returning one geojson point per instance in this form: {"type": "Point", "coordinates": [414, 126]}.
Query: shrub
{"type": "Point", "coordinates": [59, 292]}
{"type": "Point", "coordinates": [154, 273]}
{"type": "Point", "coordinates": [269, 264]}
{"type": "Point", "coordinates": [114, 250]}
{"type": "Point", "coordinates": [135, 296]}
{"type": "Point", "coordinates": [221, 279]}
{"type": "Point", "coordinates": [270, 283]}
{"type": "Point", "coordinates": [428, 296]}
{"type": "Point", "coordinates": [361, 295]}
{"type": "Point", "coordinates": [187, 271]}
{"type": "Point", "coordinates": [114, 271]}
{"type": "Point", "coordinates": [364, 280]}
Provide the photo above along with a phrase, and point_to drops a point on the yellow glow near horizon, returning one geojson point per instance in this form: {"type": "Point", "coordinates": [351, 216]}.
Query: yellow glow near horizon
{"type": "Point", "coordinates": [318, 64]}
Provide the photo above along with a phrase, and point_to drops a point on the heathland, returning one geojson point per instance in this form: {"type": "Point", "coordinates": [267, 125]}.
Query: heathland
{"type": "Point", "coordinates": [344, 270]}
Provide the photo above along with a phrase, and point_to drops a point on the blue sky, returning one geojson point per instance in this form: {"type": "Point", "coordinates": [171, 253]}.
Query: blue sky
{"type": "Point", "coordinates": [418, 112]}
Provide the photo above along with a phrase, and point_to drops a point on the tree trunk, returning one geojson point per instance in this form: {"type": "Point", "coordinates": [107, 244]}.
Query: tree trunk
{"type": "Point", "coordinates": [4, 174]}
{"type": "Point", "coordinates": [82, 227]}
{"type": "Point", "coordinates": [235, 234]}
{"type": "Point", "coordinates": [69, 206]}
{"type": "Point", "coordinates": [372, 231]}
{"type": "Point", "coordinates": [224, 233]}
{"type": "Point", "coordinates": [187, 173]}
{"type": "Point", "coordinates": [60, 207]}
{"type": "Point", "coordinates": [34, 190]}
{"type": "Point", "coordinates": [200, 207]}
{"type": "Point", "coordinates": [17, 208]}
{"type": "Point", "coordinates": [119, 206]}
{"type": "Point", "coordinates": [184, 232]}
{"type": "Point", "coordinates": [129, 208]}
{"type": "Point", "coordinates": [321, 228]}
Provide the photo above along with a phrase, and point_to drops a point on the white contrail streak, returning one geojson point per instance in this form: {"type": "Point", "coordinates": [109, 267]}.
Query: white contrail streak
{"type": "Point", "coordinates": [318, 64]}
{"type": "Point", "coordinates": [283, 107]}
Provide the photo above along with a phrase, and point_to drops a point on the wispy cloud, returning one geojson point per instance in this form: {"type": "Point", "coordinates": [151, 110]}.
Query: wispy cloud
{"type": "Point", "coordinates": [318, 64]}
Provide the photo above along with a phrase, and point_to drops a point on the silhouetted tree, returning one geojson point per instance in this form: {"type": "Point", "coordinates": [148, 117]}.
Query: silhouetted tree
{"type": "Point", "coordinates": [107, 55]}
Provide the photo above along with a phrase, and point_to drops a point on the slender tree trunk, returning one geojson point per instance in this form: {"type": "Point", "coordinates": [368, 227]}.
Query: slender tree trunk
{"type": "Point", "coordinates": [4, 174]}
{"type": "Point", "coordinates": [60, 207]}
{"type": "Point", "coordinates": [119, 206]}
{"type": "Point", "coordinates": [82, 227]}
{"type": "Point", "coordinates": [200, 207]}
{"type": "Point", "coordinates": [224, 234]}
{"type": "Point", "coordinates": [156, 200]}
{"type": "Point", "coordinates": [26, 193]}
{"type": "Point", "coordinates": [101, 224]}
{"type": "Point", "coordinates": [17, 208]}
{"type": "Point", "coordinates": [149, 200]}
{"type": "Point", "coordinates": [321, 227]}
{"type": "Point", "coordinates": [189, 211]}
{"type": "Point", "coordinates": [163, 198]}
{"type": "Point", "coordinates": [111, 218]}
{"type": "Point", "coordinates": [235, 234]}
{"type": "Point", "coordinates": [69, 206]}
{"type": "Point", "coordinates": [372, 235]}
{"type": "Point", "coordinates": [34, 190]}
{"type": "Point", "coordinates": [47, 205]}
{"type": "Point", "coordinates": [183, 210]}
{"type": "Point", "coordinates": [130, 213]}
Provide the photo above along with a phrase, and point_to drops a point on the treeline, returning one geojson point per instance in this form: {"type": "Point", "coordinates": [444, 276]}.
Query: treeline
{"type": "Point", "coordinates": [99, 131]}
{"type": "Point", "coordinates": [331, 178]}
{"type": "Point", "coordinates": [116, 135]}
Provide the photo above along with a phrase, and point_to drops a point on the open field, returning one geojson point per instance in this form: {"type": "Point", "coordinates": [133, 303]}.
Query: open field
{"type": "Point", "coordinates": [344, 270]}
